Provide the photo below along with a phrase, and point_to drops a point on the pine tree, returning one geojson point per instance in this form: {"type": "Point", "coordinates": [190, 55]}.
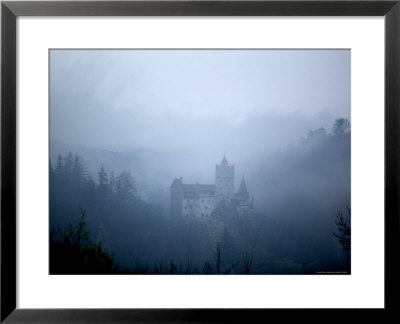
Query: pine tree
{"type": "Point", "coordinates": [112, 182]}
{"type": "Point", "coordinates": [77, 169]}
{"type": "Point", "coordinates": [68, 164]}
{"type": "Point", "coordinates": [103, 179]}
{"type": "Point", "coordinates": [124, 188]}
{"type": "Point", "coordinates": [59, 165]}
{"type": "Point", "coordinates": [72, 251]}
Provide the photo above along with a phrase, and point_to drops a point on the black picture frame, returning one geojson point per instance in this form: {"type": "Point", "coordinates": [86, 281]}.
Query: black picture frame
{"type": "Point", "coordinates": [10, 10]}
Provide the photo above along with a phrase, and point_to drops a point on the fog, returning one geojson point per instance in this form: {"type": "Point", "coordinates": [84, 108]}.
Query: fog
{"type": "Point", "coordinates": [225, 100]}
{"type": "Point", "coordinates": [166, 114]}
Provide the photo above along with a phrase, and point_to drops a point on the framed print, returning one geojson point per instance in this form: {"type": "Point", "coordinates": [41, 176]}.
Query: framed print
{"type": "Point", "coordinates": [192, 165]}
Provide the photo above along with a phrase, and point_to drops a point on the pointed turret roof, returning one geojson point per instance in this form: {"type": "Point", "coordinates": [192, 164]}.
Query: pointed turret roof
{"type": "Point", "coordinates": [243, 189]}
{"type": "Point", "coordinates": [176, 183]}
{"type": "Point", "coordinates": [224, 161]}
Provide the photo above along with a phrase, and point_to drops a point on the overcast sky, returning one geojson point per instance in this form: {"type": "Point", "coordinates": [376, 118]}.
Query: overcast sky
{"type": "Point", "coordinates": [233, 101]}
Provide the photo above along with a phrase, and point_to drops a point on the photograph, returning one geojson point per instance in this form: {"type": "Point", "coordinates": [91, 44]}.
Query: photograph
{"type": "Point", "coordinates": [200, 161]}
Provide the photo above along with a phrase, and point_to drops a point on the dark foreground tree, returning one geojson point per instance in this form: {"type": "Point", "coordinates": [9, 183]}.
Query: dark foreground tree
{"type": "Point", "coordinates": [73, 252]}
{"type": "Point", "coordinates": [220, 267]}
{"type": "Point", "coordinates": [343, 233]}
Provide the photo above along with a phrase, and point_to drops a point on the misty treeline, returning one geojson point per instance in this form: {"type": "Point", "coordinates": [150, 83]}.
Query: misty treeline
{"type": "Point", "coordinates": [298, 192]}
{"type": "Point", "coordinates": [304, 187]}
{"type": "Point", "coordinates": [72, 251]}
{"type": "Point", "coordinates": [102, 226]}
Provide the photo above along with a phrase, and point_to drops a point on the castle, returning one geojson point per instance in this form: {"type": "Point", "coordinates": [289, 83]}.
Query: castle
{"type": "Point", "coordinates": [198, 201]}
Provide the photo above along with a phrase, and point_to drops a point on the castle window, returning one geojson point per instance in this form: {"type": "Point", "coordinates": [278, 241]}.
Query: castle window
{"type": "Point", "coordinates": [206, 207]}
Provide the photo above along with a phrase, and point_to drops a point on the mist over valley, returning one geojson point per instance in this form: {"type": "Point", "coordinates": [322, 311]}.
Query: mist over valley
{"type": "Point", "coordinates": [200, 162]}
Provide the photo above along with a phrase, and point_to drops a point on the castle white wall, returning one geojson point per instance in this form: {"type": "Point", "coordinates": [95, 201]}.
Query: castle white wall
{"type": "Point", "coordinates": [198, 208]}
{"type": "Point", "coordinates": [202, 207]}
{"type": "Point", "coordinates": [224, 181]}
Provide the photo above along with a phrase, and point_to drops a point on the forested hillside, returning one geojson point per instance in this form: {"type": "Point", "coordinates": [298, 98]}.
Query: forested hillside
{"type": "Point", "coordinates": [298, 194]}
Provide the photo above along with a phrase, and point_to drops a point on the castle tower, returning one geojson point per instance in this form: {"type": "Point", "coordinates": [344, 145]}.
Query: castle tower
{"type": "Point", "coordinates": [224, 180]}
{"type": "Point", "coordinates": [244, 204]}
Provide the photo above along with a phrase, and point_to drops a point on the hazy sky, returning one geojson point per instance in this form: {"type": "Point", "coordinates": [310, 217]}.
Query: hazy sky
{"type": "Point", "coordinates": [214, 101]}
